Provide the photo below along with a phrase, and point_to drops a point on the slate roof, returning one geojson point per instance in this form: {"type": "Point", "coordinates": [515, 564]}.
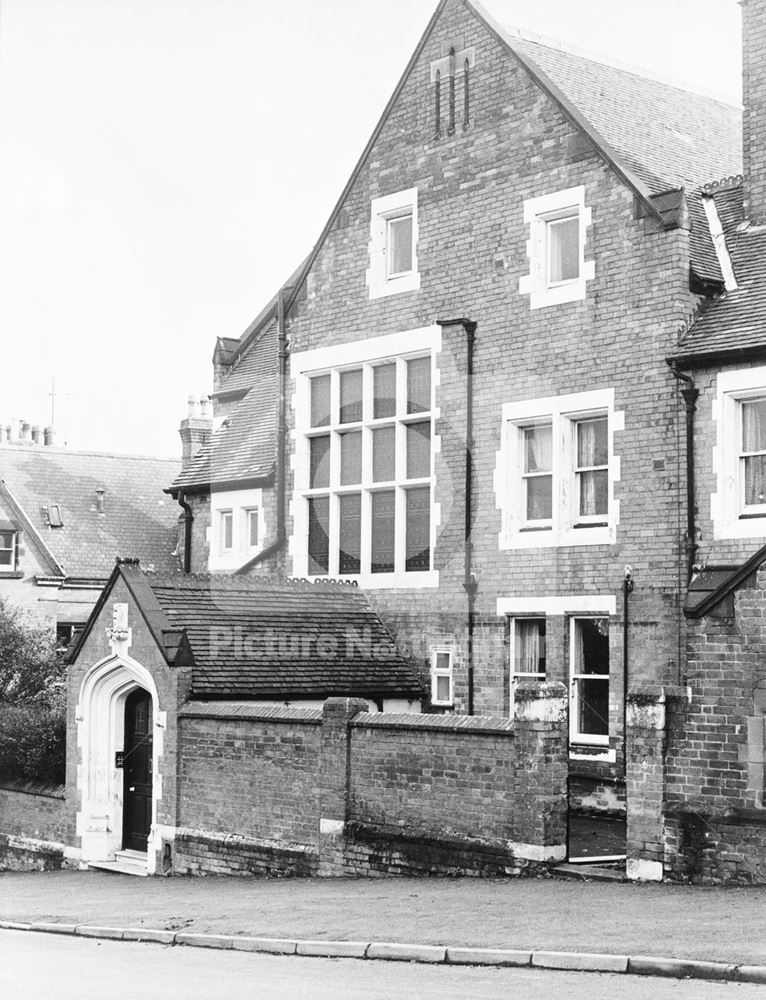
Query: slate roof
{"type": "Point", "coordinates": [668, 136]}
{"type": "Point", "coordinates": [249, 367]}
{"type": "Point", "coordinates": [256, 637]}
{"type": "Point", "coordinates": [710, 587]}
{"type": "Point", "coordinates": [243, 448]}
{"type": "Point", "coordinates": [735, 323]}
{"type": "Point", "coordinates": [138, 520]}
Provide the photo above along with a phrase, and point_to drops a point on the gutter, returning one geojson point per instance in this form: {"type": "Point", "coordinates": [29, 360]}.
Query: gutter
{"type": "Point", "coordinates": [690, 395]}
{"type": "Point", "coordinates": [281, 463]}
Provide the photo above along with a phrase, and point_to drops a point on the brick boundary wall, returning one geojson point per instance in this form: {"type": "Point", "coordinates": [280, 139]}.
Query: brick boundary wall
{"type": "Point", "coordinates": [32, 825]}
{"type": "Point", "coordinates": [340, 791]}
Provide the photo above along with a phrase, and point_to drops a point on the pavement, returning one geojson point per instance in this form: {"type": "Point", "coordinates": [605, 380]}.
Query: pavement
{"type": "Point", "coordinates": [650, 929]}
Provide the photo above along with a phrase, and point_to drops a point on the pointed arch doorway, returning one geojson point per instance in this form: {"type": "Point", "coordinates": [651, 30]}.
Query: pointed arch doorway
{"type": "Point", "coordinates": [137, 771]}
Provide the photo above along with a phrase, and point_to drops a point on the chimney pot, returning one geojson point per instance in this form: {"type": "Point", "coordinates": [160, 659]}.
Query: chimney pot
{"type": "Point", "coordinates": [50, 436]}
{"type": "Point", "coordinates": [195, 430]}
{"type": "Point", "coordinates": [35, 434]}
{"type": "Point", "coordinates": [13, 430]}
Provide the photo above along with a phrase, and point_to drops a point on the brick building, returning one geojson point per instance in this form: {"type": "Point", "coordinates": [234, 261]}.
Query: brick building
{"type": "Point", "coordinates": [461, 399]}
{"type": "Point", "coordinates": [525, 349]}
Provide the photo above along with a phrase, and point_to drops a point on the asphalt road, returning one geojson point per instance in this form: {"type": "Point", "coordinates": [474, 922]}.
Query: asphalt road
{"type": "Point", "coordinates": [37, 966]}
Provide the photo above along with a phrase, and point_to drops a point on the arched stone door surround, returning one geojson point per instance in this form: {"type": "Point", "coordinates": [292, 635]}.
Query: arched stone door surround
{"type": "Point", "coordinates": [100, 720]}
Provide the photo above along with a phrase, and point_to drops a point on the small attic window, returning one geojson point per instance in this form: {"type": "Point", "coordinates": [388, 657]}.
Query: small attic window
{"type": "Point", "coordinates": [53, 515]}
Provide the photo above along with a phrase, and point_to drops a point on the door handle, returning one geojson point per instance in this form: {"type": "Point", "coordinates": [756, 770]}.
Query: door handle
{"type": "Point", "coordinates": [132, 788]}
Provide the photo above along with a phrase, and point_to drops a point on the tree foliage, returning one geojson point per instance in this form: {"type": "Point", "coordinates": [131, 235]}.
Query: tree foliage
{"type": "Point", "coordinates": [29, 666]}
{"type": "Point", "coordinates": [32, 700]}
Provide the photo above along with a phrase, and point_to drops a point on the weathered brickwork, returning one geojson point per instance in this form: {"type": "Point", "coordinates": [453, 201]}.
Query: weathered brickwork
{"type": "Point", "coordinates": [472, 253]}
{"type": "Point", "coordinates": [196, 852]}
{"type": "Point", "coordinates": [32, 826]}
{"type": "Point", "coordinates": [341, 791]}
{"type": "Point", "coordinates": [256, 776]}
{"type": "Point", "coordinates": [695, 777]}
{"type": "Point", "coordinates": [754, 72]}
{"type": "Point", "coordinates": [453, 779]}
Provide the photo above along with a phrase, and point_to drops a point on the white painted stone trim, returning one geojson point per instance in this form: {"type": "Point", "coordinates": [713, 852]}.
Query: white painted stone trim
{"type": "Point", "coordinates": [331, 827]}
{"type": "Point", "coordinates": [537, 212]}
{"type": "Point", "coordinates": [719, 243]}
{"type": "Point", "coordinates": [566, 604]}
{"type": "Point", "coordinates": [562, 411]}
{"type": "Point", "coordinates": [239, 502]}
{"type": "Point", "coordinates": [381, 210]}
{"type": "Point", "coordinates": [100, 719]}
{"type": "Point", "coordinates": [305, 364]}
{"type": "Point", "coordinates": [639, 870]}
{"type": "Point", "coordinates": [731, 388]}
{"type": "Point", "coordinates": [536, 852]}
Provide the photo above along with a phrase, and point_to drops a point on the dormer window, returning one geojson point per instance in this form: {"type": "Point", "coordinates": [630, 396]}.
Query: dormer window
{"type": "Point", "coordinates": [393, 244]}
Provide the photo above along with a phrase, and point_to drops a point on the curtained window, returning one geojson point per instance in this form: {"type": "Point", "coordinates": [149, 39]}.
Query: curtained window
{"type": "Point", "coordinates": [529, 647]}
{"type": "Point", "coordinates": [753, 453]}
{"type": "Point", "coordinates": [592, 468]}
{"type": "Point", "coordinates": [538, 473]}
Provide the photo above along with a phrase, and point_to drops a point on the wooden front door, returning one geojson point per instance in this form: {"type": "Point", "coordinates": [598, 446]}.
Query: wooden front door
{"type": "Point", "coordinates": [137, 771]}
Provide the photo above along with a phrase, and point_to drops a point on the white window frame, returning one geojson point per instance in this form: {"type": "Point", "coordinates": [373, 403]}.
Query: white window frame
{"type": "Point", "coordinates": [540, 214]}
{"type": "Point", "coordinates": [13, 549]}
{"type": "Point", "coordinates": [383, 211]}
{"type": "Point", "coordinates": [240, 503]}
{"type": "Point", "coordinates": [227, 514]}
{"type": "Point", "coordinates": [437, 672]}
{"type": "Point", "coordinates": [576, 738]}
{"type": "Point", "coordinates": [250, 514]}
{"type": "Point", "coordinates": [567, 527]}
{"type": "Point", "coordinates": [731, 518]}
{"type": "Point", "coordinates": [333, 360]}
{"type": "Point", "coordinates": [517, 677]}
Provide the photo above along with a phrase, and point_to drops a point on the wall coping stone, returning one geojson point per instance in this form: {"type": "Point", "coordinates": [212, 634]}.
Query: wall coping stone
{"type": "Point", "coordinates": [245, 710]}
{"type": "Point", "coordinates": [45, 789]}
{"type": "Point", "coordinates": [469, 724]}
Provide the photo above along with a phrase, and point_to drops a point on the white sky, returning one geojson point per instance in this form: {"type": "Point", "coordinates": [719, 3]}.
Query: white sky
{"type": "Point", "coordinates": [166, 164]}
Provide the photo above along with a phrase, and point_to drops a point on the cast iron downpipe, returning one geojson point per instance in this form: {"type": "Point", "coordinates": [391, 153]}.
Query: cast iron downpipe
{"type": "Point", "coordinates": [281, 535]}
{"type": "Point", "coordinates": [691, 395]}
{"type": "Point", "coordinates": [469, 579]}
{"type": "Point", "coordinates": [627, 590]}
{"type": "Point", "coordinates": [188, 519]}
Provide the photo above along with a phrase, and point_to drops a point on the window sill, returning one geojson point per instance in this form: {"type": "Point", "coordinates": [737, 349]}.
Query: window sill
{"type": "Point", "coordinates": [393, 286]}
{"type": "Point", "coordinates": [740, 526]}
{"type": "Point", "coordinates": [11, 574]}
{"type": "Point", "coordinates": [594, 752]}
{"type": "Point", "coordinates": [584, 534]}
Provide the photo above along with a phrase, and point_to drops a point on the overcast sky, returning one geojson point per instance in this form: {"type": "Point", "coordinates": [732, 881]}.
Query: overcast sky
{"type": "Point", "coordinates": [166, 164]}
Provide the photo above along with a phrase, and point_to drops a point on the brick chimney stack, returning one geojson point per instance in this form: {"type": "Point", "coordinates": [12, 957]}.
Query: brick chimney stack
{"type": "Point", "coordinates": [195, 430]}
{"type": "Point", "coordinates": [754, 99]}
